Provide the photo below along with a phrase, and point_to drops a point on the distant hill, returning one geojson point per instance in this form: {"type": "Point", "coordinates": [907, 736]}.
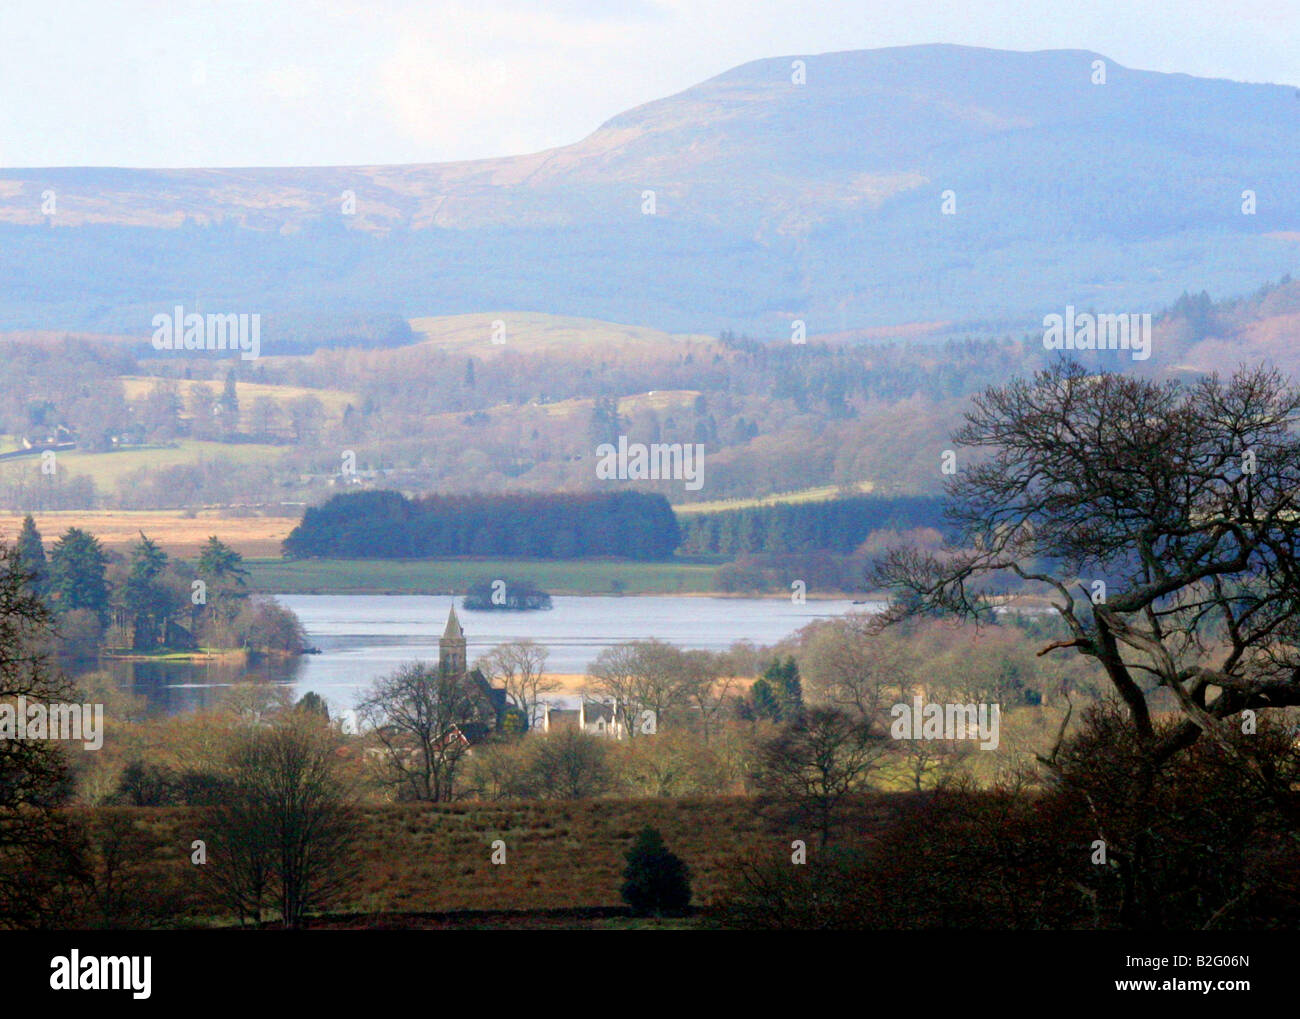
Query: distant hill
{"type": "Point", "coordinates": [773, 201]}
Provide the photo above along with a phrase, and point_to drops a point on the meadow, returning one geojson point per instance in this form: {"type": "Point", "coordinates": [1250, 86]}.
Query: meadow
{"type": "Point", "coordinates": [108, 470]}
{"type": "Point", "coordinates": [420, 859]}
{"type": "Point", "coordinates": [443, 576]}
{"type": "Point", "coordinates": [180, 532]}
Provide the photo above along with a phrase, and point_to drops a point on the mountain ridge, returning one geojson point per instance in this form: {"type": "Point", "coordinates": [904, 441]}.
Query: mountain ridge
{"type": "Point", "coordinates": [771, 201]}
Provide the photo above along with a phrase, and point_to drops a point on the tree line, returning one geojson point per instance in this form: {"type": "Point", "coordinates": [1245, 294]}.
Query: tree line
{"type": "Point", "coordinates": [830, 525]}
{"type": "Point", "coordinates": [147, 600]}
{"type": "Point", "coordinates": [388, 525]}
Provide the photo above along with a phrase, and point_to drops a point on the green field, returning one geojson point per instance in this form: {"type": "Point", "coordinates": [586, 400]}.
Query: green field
{"type": "Point", "coordinates": [819, 494]}
{"type": "Point", "coordinates": [448, 576]}
{"type": "Point", "coordinates": [108, 469]}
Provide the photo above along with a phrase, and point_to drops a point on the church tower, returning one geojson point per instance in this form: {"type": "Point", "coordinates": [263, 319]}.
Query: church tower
{"type": "Point", "coordinates": [451, 648]}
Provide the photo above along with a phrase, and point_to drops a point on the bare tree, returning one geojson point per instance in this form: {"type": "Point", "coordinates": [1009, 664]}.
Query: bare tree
{"type": "Point", "coordinates": [286, 826]}
{"type": "Point", "coordinates": [848, 663]}
{"type": "Point", "coordinates": [266, 416]}
{"type": "Point", "coordinates": [1184, 503]}
{"type": "Point", "coordinates": [306, 418]}
{"type": "Point", "coordinates": [1163, 521]}
{"type": "Point", "coordinates": [707, 683]}
{"type": "Point", "coordinates": [816, 761]}
{"type": "Point", "coordinates": [520, 667]}
{"type": "Point", "coordinates": [641, 676]}
{"type": "Point", "coordinates": [418, 716]}
{"type": "Point", "coordinates": [568, 765]}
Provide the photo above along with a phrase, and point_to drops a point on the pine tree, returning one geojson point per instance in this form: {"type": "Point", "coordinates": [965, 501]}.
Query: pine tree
{"type": "Point", "coordinates": [31, 555]}
{"type": "Point", "coordinates": [144, 596]}
{"type": "Point", "coordinates": [230, 396]}
{"type": "Point", "coordinates": [656, 882]}
{"type": "Point", "coordinates": [764, 698]}
{"type": "Point", "coordinates": [790, 691]}
{"type": "Point", "coordinates": [219, 561]}
{"type": "Point", "coordinates": [77, 573]}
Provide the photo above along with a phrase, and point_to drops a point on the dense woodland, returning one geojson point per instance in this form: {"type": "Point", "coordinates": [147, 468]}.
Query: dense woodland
{"type": "Point", "coordinates": [387, 525]}
{"type": "Point", "coordinates": [365, 525]}
{"type": "Point", "coordinates": [830, 525]}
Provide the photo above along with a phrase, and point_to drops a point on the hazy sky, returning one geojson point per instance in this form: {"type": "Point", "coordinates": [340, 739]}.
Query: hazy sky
{"type": "Point", "coordinates": [296, 82]}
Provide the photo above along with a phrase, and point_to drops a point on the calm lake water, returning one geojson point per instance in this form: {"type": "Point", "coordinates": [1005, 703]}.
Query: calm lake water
{"type": "Point", "coordinates": [362, 637]}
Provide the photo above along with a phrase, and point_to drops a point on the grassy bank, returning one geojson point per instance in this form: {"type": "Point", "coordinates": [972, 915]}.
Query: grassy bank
{"type": "Point", "coordinates": [447, 576]}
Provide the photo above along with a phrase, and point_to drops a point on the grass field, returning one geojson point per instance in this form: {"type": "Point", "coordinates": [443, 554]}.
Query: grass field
{"type": "Point", "coordinates": [819, 494]}
{"type": "Point", "coordinates": [107, 470]}
{"type": "Point", "coordinates": [559, 854]}
{"type": "Point", "coordinates": [534, 332]}
{"type": "Point", "coordinates": [445, 576]}
{"type": "Point", "coordinates": [178, 534]}
{"type": "Point", "coordinates": [136, 387]}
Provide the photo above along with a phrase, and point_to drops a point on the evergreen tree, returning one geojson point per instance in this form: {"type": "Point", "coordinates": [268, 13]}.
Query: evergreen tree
{"type": "Point", "coordinates": [778, 693]}
{"type": "Point", "coordinates": [229, 397]}
{"type": "Point", "coordinates": [218, 561]}
{"type": "Point", "coordinates": [312, 703]}
{"type": "Point", "coordinates": [655, 881]}
{"type": "Point", "coordinates": [31, 555]}
{"type": "Point", "coordinates": [147, 559]}
{"type": "Point", "coordinates": [77, 573]}
{"type": "Point", "coordinates": [765, 702]}
{"type": "Point", "coordinates": [145, 598]}
{"type": "Point", "coordinates": [790, 691]}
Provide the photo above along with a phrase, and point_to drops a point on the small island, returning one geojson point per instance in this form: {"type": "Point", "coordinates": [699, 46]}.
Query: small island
{"type": "Point", "coordinates": [505, 596]}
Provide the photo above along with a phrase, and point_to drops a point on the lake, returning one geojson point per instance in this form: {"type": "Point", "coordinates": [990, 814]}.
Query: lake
{"type": "Point", "coordinates": [362, 637]}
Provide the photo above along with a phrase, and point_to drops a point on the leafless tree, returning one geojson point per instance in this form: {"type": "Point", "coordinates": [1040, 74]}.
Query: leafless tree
{"type": "Point", "coordinates": [707, 684]}
{"type": "Point", "coordinates": [1162, 520]}
{"type": "Point", "coordinates": [848, 663]}
{"type": "Point", "coordinates": [417, 716]}
{"type": "Point", "coordinates": [286, 828]}
{"type": "Point", "coordinates": [641, 675]}
{"type": "Point", "coordinates": [1184, 502]}
{"type": "Point", "coordinates": [812, 763]}
{"type": "Point", "coordinates": [520, 667]}
{"type": "Point", "coordinates": [568, 765]}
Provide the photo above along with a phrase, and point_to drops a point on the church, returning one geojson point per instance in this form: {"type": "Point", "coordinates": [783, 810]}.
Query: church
{"type": "Point", "coordinates": [453, 660]}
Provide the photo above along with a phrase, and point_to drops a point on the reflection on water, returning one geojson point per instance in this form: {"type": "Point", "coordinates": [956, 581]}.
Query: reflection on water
{"type": "Point", "coordinates": [363, 637]}
{"type": "Point", "coordinates": [173, 687]}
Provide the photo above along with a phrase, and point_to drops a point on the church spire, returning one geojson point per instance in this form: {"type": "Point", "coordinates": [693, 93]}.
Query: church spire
{"type": "Point", "coordinates": [452, 650]}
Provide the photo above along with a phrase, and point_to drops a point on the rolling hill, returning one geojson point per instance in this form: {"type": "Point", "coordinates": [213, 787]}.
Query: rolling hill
{"type": "Point", "coordinates": [772, 201]}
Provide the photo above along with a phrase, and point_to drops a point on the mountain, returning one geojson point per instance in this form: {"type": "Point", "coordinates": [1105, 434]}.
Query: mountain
{"type": "Point", "coordinates": [772, 201]}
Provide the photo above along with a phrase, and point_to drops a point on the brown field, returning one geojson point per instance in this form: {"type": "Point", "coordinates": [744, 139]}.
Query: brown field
{"type": "Point", "coordinates": [179, 535]}
{"type": "Point", "coordinates": [135, 387]}
{"type": "Point", "coordinates": [559, 854]}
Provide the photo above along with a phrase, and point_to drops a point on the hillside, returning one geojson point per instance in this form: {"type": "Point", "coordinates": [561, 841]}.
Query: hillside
{"type": "Point", "coordinates": [772, 201]}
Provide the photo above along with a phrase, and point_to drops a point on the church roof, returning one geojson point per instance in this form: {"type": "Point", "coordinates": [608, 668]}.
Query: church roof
{"type": "Point", "coordinates": [453, 630]}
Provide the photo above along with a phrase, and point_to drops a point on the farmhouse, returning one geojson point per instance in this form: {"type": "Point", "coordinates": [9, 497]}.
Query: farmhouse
{"type": "Point", "coordinates": [591, 717]}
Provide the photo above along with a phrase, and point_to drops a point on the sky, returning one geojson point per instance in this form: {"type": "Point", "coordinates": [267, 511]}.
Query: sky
{"type": "Point", "coordinates": [178, 83]}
